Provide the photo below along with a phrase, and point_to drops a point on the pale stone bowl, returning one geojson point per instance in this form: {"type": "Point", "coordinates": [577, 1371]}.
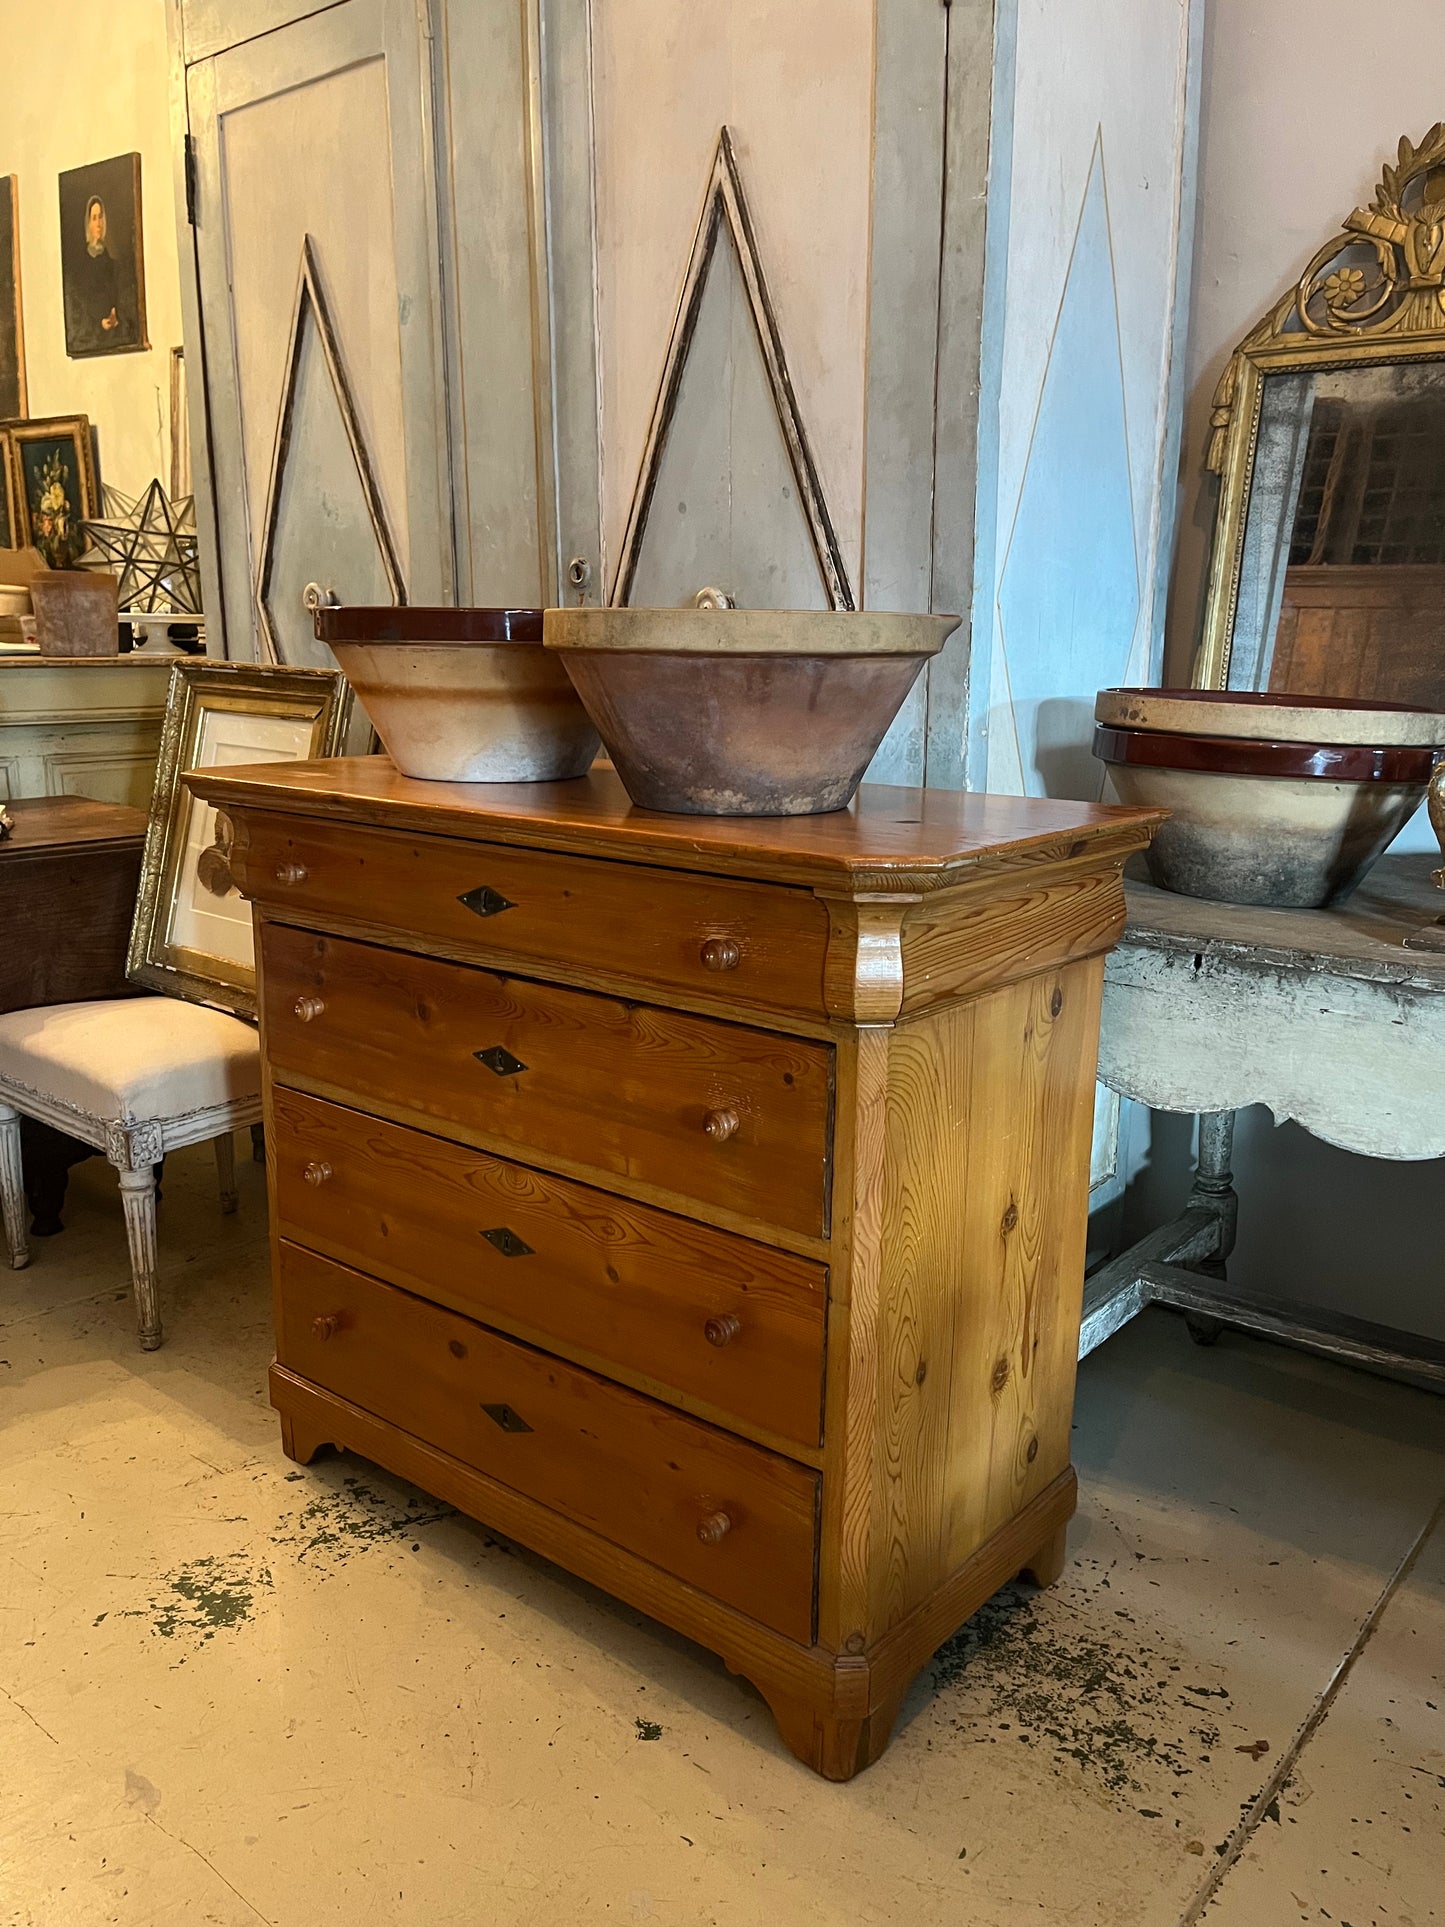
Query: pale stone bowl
{"type": "Point", "coordinates": [1281, 801]}
{"type": "Point", "coordinates": [463, 695]}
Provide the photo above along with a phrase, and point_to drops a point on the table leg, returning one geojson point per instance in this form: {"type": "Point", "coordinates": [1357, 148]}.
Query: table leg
{"type": "Point", "coordinates": [1213, 1191]}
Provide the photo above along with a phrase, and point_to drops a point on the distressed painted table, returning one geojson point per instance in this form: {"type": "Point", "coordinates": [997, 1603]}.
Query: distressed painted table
{"type": "Point", "coordinates": [1324, 1016]}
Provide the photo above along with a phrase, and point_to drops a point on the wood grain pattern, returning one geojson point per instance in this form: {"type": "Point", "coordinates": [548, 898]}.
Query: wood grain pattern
{"type": "Point", "coordinates": [623, 1088]}
{"type": "Point", "coordinates": [631, 1290]}
{"type": "Point", "coordinates": [653, 1477]}
{"type": "Point", "coordinates": [888, 839]}
{"type": "Point", "coordinates": [989, 1115]}
{"type": "Point", "coordinates": [1377, 633]}
{"type": "Point", "coordinates": [636, 925]}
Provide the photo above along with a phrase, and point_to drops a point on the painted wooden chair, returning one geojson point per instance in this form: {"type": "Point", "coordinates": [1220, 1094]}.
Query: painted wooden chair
{"type": "Point", "coordinates": [135, 1077]}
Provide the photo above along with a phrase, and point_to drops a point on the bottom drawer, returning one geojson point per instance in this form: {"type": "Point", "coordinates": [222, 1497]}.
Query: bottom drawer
{"type": "Point", "coordinates": [732, 1519]}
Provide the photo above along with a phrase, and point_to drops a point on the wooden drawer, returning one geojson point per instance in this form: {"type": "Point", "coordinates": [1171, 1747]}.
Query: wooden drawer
{"type": "Point", "coordinates": [713, 1112]}
{"type": "Point", "coordinates": [730, 1518]}
{"type": "Point", "coordinates": [735, 1324]}
{"type": "Point", "coordinates": [756, 944]}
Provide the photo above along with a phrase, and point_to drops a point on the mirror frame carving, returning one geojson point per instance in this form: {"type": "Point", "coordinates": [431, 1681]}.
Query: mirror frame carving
{"type": "Point", "coordinates": [1338, 315]}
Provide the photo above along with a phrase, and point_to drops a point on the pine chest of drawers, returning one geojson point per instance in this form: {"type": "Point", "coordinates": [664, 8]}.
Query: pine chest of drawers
{"type": "Point", "coordinates": [700, 1202]}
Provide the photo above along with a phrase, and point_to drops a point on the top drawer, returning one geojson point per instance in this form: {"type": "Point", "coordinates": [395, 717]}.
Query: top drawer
{"type": "Point", "coordinates": [755, 944]}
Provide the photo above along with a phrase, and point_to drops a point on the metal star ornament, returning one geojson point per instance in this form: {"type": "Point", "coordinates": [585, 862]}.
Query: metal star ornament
{"type": "Point", "coordinates": [151, 542]}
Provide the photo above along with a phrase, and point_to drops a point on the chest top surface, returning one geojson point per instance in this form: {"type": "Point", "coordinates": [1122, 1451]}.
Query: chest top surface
{"type": "Point", "coordinates": [890, 838]}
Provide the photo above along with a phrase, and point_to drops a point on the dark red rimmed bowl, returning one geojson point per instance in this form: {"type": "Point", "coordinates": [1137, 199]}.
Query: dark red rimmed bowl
{"type": "Point", "coordinates": [1284, 824]}
{"type": "Point", "coordinates": [463, 695]}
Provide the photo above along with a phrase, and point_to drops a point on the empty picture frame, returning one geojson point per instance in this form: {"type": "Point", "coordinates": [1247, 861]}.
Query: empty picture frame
{"type": "Point", "coordinates": [192, 933]}
{"type": "Point", "coordinates": [102, 267]}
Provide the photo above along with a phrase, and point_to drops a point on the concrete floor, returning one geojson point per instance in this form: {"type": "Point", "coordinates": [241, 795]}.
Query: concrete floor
{"type": "Point", "coordinates": [232, 1691]}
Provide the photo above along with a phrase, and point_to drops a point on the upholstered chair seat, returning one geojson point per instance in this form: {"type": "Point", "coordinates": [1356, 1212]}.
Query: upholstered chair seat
{"type": "Point", "coordinates": [135, 1077]}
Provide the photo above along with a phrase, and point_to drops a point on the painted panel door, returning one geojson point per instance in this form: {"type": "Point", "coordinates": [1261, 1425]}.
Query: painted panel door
{"type": "Point", "coordinates": [316, 250]}
{"type": "Point", "coordinates": [1090, 218]}
{"type": "Point", "coordinates": [210, 26]}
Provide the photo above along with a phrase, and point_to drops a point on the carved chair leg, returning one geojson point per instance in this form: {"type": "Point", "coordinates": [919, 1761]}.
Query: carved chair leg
{"type": "Point", "coordinates": [138, 1196]}
{"type": "Point", "coordinates": [226, 1171]}
{"type": "Point", "coordinates": [12, 1188]}
{"type": "Point", "coordinates": [1047, 1563]}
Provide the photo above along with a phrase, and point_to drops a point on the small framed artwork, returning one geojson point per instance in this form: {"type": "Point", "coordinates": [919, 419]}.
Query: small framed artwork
{"type": "Point", "coordinates": [53, 485]}
{"type": "Point", "coordinates": [102, 270]}
{"type": "Point", "coordinates": [192, 934]}
{"type": "Point", "coordinates": [12, 315]}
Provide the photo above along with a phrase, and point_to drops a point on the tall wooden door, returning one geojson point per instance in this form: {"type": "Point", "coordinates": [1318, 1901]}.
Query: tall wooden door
{"type": "Point", "coordinates": [320, 308]}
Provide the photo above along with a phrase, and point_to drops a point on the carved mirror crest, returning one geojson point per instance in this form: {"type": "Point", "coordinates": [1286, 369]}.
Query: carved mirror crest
{"type": "Point", "coordinates": [1328, 435]}
{"type": "Point", "coordinates": [725, 206]}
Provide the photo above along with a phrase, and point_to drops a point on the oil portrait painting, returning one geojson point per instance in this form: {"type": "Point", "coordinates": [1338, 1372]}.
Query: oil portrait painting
{"type": "Point", "coordinates": [101, 268]}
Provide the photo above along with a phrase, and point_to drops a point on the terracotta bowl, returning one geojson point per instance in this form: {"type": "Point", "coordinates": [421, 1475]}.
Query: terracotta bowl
{"type": "Point", "coordinates": [462, 695]}
{"type": "Point", "coordinates": [1276, 823]}
{"type": "Point", "coordinates": [743, 712]}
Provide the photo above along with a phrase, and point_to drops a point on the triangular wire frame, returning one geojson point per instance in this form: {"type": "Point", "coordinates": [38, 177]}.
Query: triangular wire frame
{"type": "Point", "coordinates": [725, 201]}
{"type": "Point", "coordinates": [311, 297]}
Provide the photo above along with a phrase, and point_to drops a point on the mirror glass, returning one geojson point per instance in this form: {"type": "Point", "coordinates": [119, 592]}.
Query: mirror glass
{"type": "Point", "coordinates": [1342, 579]}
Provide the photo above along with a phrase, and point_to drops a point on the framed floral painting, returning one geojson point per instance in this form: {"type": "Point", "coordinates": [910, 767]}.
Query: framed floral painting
{"type": "Point", "coordinates": [53, 484]}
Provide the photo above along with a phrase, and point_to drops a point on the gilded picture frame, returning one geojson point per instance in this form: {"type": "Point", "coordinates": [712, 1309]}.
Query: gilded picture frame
{"type": "Point", "coordinates": [1374, 294]}
{"type": "Point", "coordinates": [10, 534]}
{"type": "Point", "coordinates": [33, 446]}
{"type": "Point", "coordinates": [192, 935]}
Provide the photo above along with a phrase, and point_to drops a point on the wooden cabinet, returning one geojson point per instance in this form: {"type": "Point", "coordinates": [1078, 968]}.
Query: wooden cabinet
{"type": "Point", "coordinates": [69, 871]}
{"type": "Point", "coordinates": [748, 1293]}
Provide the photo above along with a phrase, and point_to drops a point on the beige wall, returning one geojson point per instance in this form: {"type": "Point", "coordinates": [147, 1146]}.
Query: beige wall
{"type": "Point", "coordinates": [1301, 106]}
{"type": "Point", "coordinates": [80, 82]}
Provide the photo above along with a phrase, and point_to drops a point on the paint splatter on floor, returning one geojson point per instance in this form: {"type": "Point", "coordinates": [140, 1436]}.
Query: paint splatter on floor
{"type": "Point", "coordinates": [205, 1596]}
{"type": "Point", "coordinates": [648, 1729]}
{"type": "Point", "coordinates": [1118, 1706]}
{"type": "Point", "coordinates": [341, 1521]}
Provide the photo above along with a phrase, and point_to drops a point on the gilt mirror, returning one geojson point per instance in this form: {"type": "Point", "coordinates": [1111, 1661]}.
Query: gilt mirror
{"type": "Point", "coordinates": [1327, 574]}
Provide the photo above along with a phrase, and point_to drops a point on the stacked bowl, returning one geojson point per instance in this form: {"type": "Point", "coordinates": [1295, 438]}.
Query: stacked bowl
{"type": "Point", "coordinates": [1275, 799]}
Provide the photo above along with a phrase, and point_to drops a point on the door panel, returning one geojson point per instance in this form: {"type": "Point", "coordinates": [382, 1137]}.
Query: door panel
{"type": "Point", "coordinates": [321, 130]}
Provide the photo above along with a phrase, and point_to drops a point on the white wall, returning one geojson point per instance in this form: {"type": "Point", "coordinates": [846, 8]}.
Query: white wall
{"type": "Point", "coordinates": [81, 82]}
{"type": "Point", "coordinates": [1300, 107]}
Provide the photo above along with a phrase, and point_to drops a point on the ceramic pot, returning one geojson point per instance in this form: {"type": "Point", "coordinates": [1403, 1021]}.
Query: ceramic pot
{"type": "Point", "coordinates": [76, 612]}
{"type": "Point", "coordinates": [1266, 716]}
{"type": "Point", "coordinates": [1284, 825]}
{"type": "Point", "coordinates": [743, 712]}
{"type": "Point", "coordinates": [463, 695]}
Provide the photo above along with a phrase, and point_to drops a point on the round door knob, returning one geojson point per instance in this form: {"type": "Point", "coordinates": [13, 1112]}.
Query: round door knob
{"type": "Point", "coordinates": [722, 1331]}
{"type": "Point", "coordinates": [308, 1008]}
{"type": "Point", "coordinates": [717, 1525]}
{"type": "Point", "coordinates": [290, 872]}
{"type": "Point", "coordinates": [317, 1172]}
{"type": "Point", "coordinates": [721, 953]}
{"type": "Point", "coordinates": [720, 1125]}
{"type": "Point", "coordinates": [327, 1324]}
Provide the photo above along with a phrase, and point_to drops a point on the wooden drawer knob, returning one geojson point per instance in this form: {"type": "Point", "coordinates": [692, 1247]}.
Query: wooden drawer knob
{"type": "Point", "coordinates": [722, 1331]}
{"type": "Point", "coordinates": [720, 1125]}
{"type": "Point", "coordinates": [308, 1008]}
{"type": "Point", "coordinates": [291, 872]}
{"type": "Point", "coordinates": [721, 953]}
{"type": "Point", "coordinates": [317, 1172]}
{"type": "Point", "coordinates": [717, 1525]}
{"type": "Point", "coordinates": [326, 1324]}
